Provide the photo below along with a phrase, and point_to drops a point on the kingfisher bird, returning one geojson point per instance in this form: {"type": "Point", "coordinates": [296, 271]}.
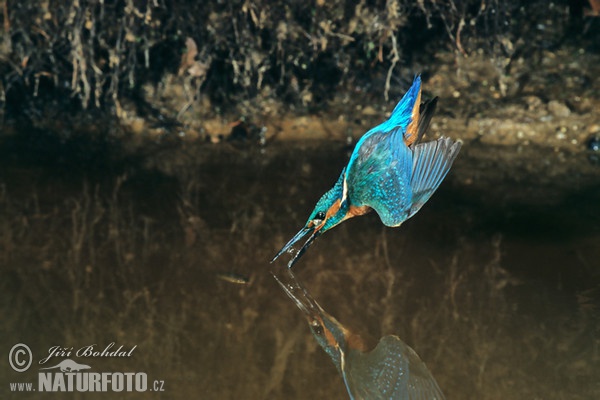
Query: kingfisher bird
{"type": "Point", "coordinates": [391, 371]}
{"type": "Point", "coordinates": [390, 171]}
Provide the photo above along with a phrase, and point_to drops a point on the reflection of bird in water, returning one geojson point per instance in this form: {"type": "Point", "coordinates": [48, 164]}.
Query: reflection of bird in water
{"type": "Point", "coordinates": [390, 371]}
{"type": "Point", "coordinates": [389, 171]}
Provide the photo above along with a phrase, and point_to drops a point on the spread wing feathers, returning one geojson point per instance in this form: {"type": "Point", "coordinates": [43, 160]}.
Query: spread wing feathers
{"type": "Point", "coordinates": [391, 371]}
{"type": "Point", "coordinates": [431, 163]}
{"type": "Point", "coordinates": [379, 176]}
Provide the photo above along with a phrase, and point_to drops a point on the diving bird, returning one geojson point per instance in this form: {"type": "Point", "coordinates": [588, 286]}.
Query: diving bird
{"type": "Point", "coordinates": [389, 171]}
{"type": "Point", "coordinates": [391, 371]}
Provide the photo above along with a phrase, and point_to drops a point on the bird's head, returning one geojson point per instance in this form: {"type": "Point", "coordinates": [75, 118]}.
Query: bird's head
{"type": "Point", "coordinates": [330, 210]}
{"type": "Point", "coordinates": [330, 335]}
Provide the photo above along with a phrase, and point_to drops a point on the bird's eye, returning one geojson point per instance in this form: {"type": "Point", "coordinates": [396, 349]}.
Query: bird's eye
{"type": "Point", "coordinates": [318, 329]}
{"type": "Point", "coordinates": [320, 215]}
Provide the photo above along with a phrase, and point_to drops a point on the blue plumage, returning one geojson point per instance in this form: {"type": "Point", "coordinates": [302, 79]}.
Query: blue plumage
{"type": "Point", "coordinates": [389, 171]}
{"type": "Point", "coordinates": [390, 371]}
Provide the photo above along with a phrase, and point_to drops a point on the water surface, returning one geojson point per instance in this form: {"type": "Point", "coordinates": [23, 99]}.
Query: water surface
{"type": "Point", "coordinates": [494, 282]}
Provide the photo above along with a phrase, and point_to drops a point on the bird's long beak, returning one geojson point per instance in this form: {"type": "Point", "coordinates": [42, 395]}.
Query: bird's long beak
{"type": "Point", "coordinates": [313, 312]}
{"type": "Point", "coordinates": [300, 296]}
{"type": "Point", "coordinates": [288, 247]}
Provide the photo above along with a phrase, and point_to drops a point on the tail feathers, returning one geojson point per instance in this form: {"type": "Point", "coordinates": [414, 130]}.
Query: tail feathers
{"type": "Point", "coordinates": [431, 163]}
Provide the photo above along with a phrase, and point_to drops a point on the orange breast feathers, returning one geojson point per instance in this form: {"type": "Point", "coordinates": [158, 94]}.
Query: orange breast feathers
{"type": "Point", "coordinates": [356, 211]}
{"type": "Point", "coordinates": [353, 211]}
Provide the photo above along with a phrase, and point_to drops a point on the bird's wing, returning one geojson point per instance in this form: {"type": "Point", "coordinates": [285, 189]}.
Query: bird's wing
{"type": "Point", "coordinates": [378, 176]}
{"type": "Point", "coordinates": [391, 371]}
{"type": "Point", "coordinates": [431, 163]}
{"type": "Point", "coordinates": [396, 180]}
{"type": "Point", "coordinates": [390, 171]}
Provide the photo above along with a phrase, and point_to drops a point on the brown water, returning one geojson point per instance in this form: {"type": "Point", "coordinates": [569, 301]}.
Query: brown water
{"type": "Point", "coordinates": [495, 282]}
